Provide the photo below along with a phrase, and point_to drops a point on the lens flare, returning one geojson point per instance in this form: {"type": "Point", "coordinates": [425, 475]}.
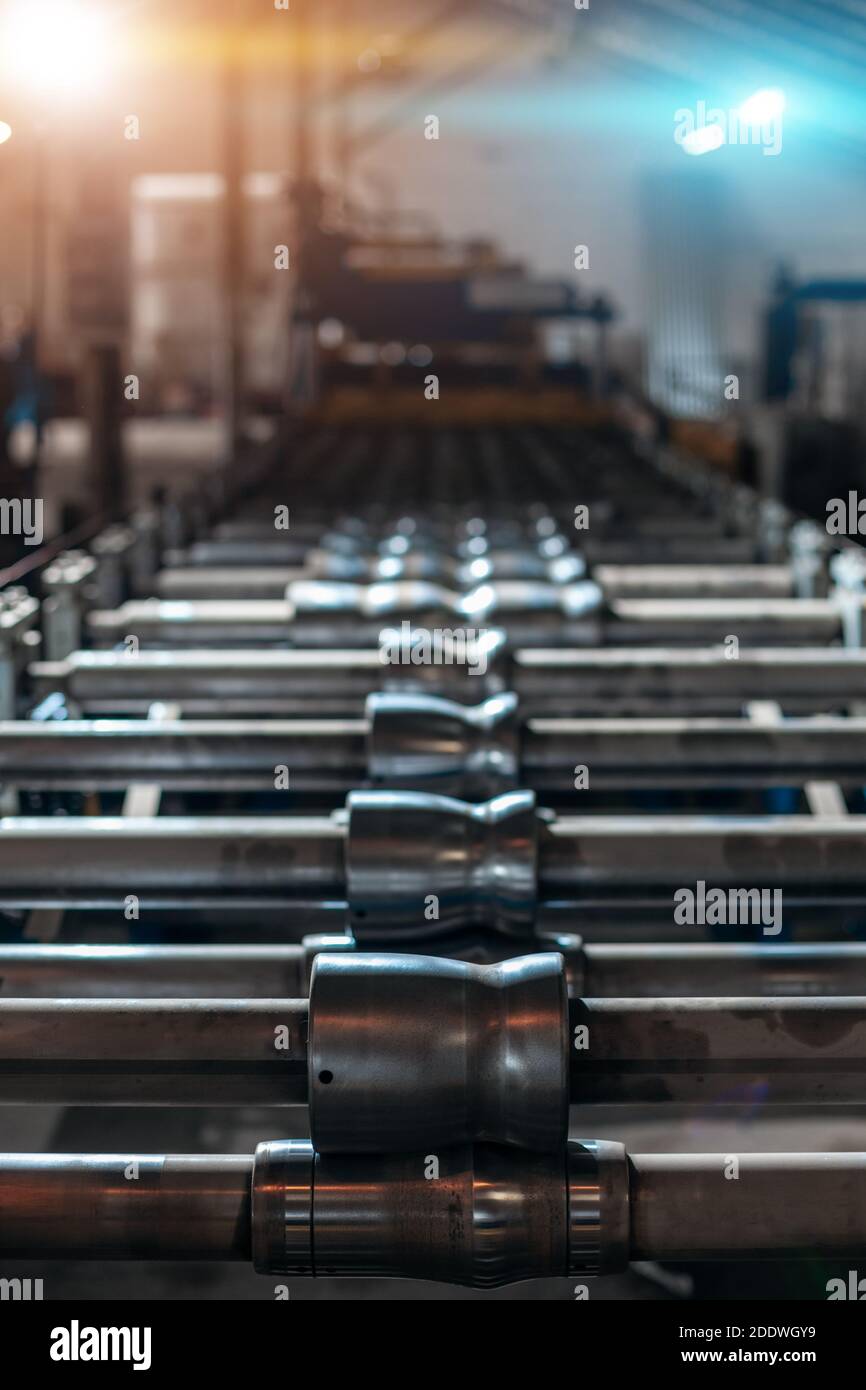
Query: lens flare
{"type": "Point", "coordinates": [56, 46]}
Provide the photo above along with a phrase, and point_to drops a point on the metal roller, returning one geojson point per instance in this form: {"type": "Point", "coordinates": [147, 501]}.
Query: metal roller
{"type": "Point", "coordinates": [423, 742]}
{"type": "Point", "coordinates": [390, 1052]}
{"type": "Point", "coordinates": [413, 865]}
{"type": "Point", "coordinates": [407, 1051]}
{"type": "Point", "coordinates": [586, 1210]}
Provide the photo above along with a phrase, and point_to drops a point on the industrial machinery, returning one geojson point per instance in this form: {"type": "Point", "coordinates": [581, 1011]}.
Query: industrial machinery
{"type": "Point", "coordinates": [436, 833]}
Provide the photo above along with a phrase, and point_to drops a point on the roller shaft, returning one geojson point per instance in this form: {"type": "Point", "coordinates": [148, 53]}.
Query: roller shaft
{"type": "Point", "coordinates": [105, 860]}
{"type": "Point", "coordinates": [332, 756]}
{"type": "Point", "coordinates": [150, 1052]}
{"type": "Point", "coordinates": [586, 1210]}
{"type": "Point", "coordinates": [595, 970]}
{"type": "Point", "coordinates": [222, 755]}
{"type": "Point", "coordinates": [490, 864]}
{"type": "Point", "coordinates": [549, 681]}
{"type": "Point", "coordinates": [142, 972]}
{"type": "Point", "coordinates": [118, 1207]}
{"type": "Point", "coordinates": [213, 1052]}
{"type": "Point", "coordinates": [761, 1206]}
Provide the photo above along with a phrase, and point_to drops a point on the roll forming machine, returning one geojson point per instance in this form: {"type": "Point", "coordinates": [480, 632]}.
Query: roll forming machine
{"type": "Point", "coordinates": [440, 688]}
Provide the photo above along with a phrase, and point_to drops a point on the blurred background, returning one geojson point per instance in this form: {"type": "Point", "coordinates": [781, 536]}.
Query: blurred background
{"type": "Point", "coordinates": [218, 214]}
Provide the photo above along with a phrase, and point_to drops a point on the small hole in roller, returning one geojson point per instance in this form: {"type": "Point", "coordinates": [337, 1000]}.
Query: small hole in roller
{"type": "Point", "coordinates": [326, 1077]}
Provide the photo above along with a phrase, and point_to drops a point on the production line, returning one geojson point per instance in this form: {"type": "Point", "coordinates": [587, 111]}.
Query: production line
{"type": "Point", "coordinates": [440, 808]}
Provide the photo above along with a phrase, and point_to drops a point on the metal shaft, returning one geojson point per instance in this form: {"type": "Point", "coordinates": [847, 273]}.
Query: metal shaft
{"type": "Point", "coordinates": [718, 1051]}
{"type": "Point", "coordinates": [652, 857]}
{"type": "Point", "coordinates": [595, 970]}
{"type": "Point", "coordinates": [107, 861]}
{"type": "Point", "coordinates": [685, 681]}
{"type": "Point", "coordinates": [154, 1052]}
{"type": "Point", "coordinates": [260, 580]}
{"type": "Point", "coordinates": [549, 681]}
{"type": "Point", "coordinates": [630, 753]}
{"type": "Point", "coordinates": [493, 864]}
{"type": "Point", "coordinates": [151, 972]}
{"type": "Point", "coordinates": [331, 756]}
{"type": "Point", "coordinates": [586, 1211]}
{"type": "Point", "coordinates": [185, 755]}
{"type": "Point", "coordinates": [209, 1052]}
{"type": "Point", "coordinates": [764, 1206]}
{"type": "Point", "coordinates": [273, 683]}
{"type": "Point", "coordinates": [781, 969]}
{"type": "Point", "coordinates": [125, 1207]}
{"type": "Point", "coordinates": [267, 622]}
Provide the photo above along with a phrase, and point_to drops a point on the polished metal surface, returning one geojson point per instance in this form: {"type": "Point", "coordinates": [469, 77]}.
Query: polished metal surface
{"type": "Point", "coordinates": [748, 1206]}
{"type": "Point", "coordinates": [479, 1216]}
{"type": "Point", "coordinates": [125, 1206]}
{"type": "Point", "coordinates": [423, 742]}
{"type": "Point", "coordinates": [418, 864]}
{"type": "Point", "coordinates": [379, 1077]}
{"type": "Point", "coordinates": [482, 1217]}
{"type": "Point", "coordinates": [154, 1052]}
{"type": "Point", "coordinates": [593, 969]}
{"type": "Point", "coordinates": [718, 1052]}
{"type": "Point", "coordinates": [427, 742]}
{"type": "Point", "coordinates": [414, 865]}
{"type": "Point", "coordinates": [597, 1185]}
{"type": "Point", "coordinates": [413, 1052]}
